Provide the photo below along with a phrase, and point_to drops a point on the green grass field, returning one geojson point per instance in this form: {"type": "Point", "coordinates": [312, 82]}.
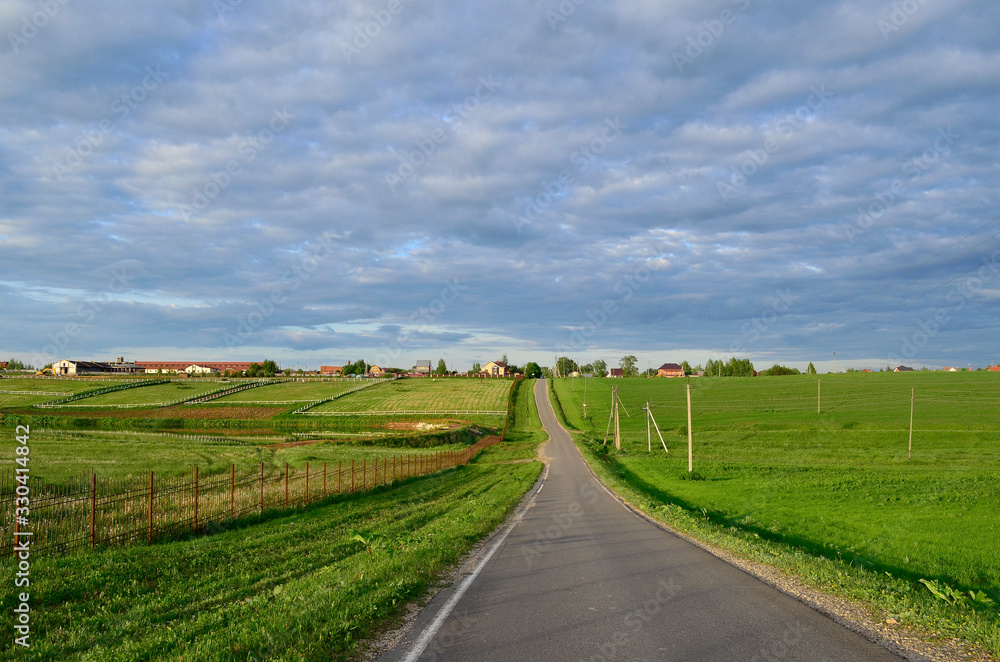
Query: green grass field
{"type": "Point", "coordinates": [65, 459]}
{"type": "Point", "coordinates": [288, 392]}
{"type": "Point", "coordinates": [158, 394]}
{"type": "Point", "coordinates": [425, 394]}
{"type": "Point", "coordinates": [291, 587]}
{"type": "Point", "coordinates": [44, 386]}
{"type": "Point", "coordinates": [287, 586]}
{"type": "Point", "coordinates": [835, 484]}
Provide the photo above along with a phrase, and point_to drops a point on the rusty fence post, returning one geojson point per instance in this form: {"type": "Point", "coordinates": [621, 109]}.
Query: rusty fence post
{"type": "Point", "coordinates": [307, 482]}
{"type": "Point", "coordinates": [352, 475]}
{"type": "Point", "coordinates": [364, 474]}
{"type": "Point", "coordinates": [340, 475]}
{"type": "Point", "coordinates": [93, 509]}
{"type": "Point", "coordinates": [150, 534]}
{"type": "Point", "coordinates": [261, 487]}
{"type": "Point", "coordinates": [286, 484]}
{"type": "Point", "coordinates": [232, 491]}
{"type": "Point", "coordinates": [324, 480]}
{"type": "Point", "coordinates": [196, 498]}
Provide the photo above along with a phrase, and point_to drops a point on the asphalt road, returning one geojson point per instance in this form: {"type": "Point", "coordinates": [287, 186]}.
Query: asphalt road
{"type": "Point", "coordinates": [577, 576]}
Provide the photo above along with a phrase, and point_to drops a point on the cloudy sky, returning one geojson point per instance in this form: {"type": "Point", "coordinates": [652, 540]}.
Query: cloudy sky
{"type": "Point", "coordinates": [314, 182]}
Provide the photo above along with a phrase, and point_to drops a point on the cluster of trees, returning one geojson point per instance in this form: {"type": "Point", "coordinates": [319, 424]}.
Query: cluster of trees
{"type": "Point", "coordinates": [777, 370]}
{"type": "Point", "coordinates": [734, 367]}
{"type": "Point", "coordinates": [358, 367]}
{"type": "Point", "coordinates": [266, 369]}
{"type": "Point", "coordinates": [566, 365]}
{"type": "Point", "coordinates": [15, 364]}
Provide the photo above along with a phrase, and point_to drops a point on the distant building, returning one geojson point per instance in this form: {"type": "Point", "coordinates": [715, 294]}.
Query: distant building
{"type": "Point", "coordinates": [331, 370]}
{"type": "Point", "coordinates": [950, 369]}
{"type": "Point", "coordinates": [422, 367]}
{"type": "Point", "coordinates": [616, 372]}
{"type": "Point", "coordinates": [177, 367]}
{"type": "Point", "coordinates": [993, 368]}
{"type": "Point", "coordinates": [3, 365]}
{"type": "Point", "coordinates": [375, 371]}
{"type": "Point", "coordinates": [119, 367]}
{"type": "Point", "coordinates": [670, 370]}
{"type": "Point", "coordinates": [196, 369]}
{"type": "Point", "coordinates": [495, 369]}
{"type": "Point", "coordinates": [903, 368]}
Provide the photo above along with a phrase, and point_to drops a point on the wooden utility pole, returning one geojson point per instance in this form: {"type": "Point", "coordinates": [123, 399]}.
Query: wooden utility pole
{"type": "Point", "coordinates": [909, 452]}
{"type": "Point", "coordinates": [649, 438]}
{"type": "Point", "coordinates": [690, 432]}
{"type": "Point", "coordinates": [618, 430]}
{"type": "Point", "coordinates": [611, 416]}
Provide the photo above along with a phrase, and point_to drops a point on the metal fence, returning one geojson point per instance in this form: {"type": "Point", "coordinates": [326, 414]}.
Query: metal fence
{"type": "Point", "coordinates": [97, 512]}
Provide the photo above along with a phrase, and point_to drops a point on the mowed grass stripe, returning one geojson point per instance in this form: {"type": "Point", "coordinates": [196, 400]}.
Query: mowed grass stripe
{"type": "Point", "coordinates": [42, 385]}
{"type": "Point", "coordinates": [425, 394]}
{"type": "Point", "coordinates": [289, 391]}
{"type": "Point", "coordinates": [157, 394]}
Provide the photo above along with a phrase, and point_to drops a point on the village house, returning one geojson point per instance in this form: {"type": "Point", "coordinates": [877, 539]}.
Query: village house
{"type": "Point", "coordinates": [331, 370]}
{"type": "Point", "coordinates": [670, 370]}
{"type": "Point", "coordinates": [495, 369]}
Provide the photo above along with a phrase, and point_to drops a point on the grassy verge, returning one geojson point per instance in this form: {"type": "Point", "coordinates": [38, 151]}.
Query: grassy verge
{"type": "Point", "coordinates": [309, 585]}
{"type": "Point", "coordinates": [306, 586]}
{"type": "Point", "coordinates": [841, 512]}
{"type": "Point", "coordinates": [525, 435]}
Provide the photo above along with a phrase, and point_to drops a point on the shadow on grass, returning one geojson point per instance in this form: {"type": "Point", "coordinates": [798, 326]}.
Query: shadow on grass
{"type": "Point", "coordinates": [811, 547]}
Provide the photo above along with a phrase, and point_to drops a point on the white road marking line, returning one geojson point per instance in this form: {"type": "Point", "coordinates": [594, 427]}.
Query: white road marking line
{"type": "Point", "coordinates": [427, 635]}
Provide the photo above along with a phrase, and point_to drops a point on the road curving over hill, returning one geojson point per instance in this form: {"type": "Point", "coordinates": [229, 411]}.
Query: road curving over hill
{"type": "Point", "coordinates": [576, 576]}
